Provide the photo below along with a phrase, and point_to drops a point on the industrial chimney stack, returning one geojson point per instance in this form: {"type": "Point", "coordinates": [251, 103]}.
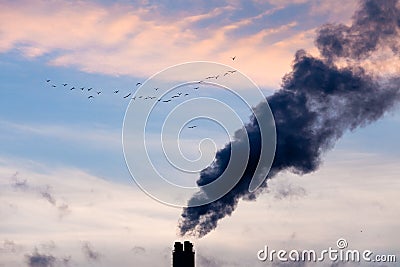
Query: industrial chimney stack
{"type": "Point", "coordinates": [183, 255]}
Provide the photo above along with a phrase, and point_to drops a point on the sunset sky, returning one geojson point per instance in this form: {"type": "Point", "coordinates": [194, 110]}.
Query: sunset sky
{"type": "Point", "coordinates": [67, 197]}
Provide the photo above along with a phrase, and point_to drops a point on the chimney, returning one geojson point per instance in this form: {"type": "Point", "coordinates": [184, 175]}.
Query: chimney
{"type": "Point", "coordinates": [183, 255]}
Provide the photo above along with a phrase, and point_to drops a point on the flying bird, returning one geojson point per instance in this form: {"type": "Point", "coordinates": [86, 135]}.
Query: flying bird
{"type": "Point", "coordinates": [196, 88]}
{"type": "Point", "coordinates": [48, 81]}
{"type": "Point", "coordinates": [232, 71]}
{"type": "Point", "coordinates": [116, 91]}
{"type": "Point", "coordinates": [191, 127]}
{"type": "Point", "coordinates": [72, 88]}
{"type": "Point", "coordinates": [54, 85]}
{"type": "Point", "coordinates": [156, 88]}
{"type": "Point", "coordinates": [233, 58]}
{"type": "Point", "coordinates": [89, 89]}
{"type": "Point", "coordinates": [90, 96]}
{"type": "Point", "coordinates": [99, 92]}
{"type": "Point", "coordinates": [167, 100]}
{"type": "Point", "coordinates": [186, 94]}
{"type": "Point", "coordinates": [65, 84]}
{"type": "Point", "coordinates": [82, 88]}
{"type": "Point", "coordinates": [128, 95]}
{"type": "Point", "coordinates": [138, 84]}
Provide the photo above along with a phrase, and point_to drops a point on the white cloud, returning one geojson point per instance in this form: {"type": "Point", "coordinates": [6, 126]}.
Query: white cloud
{"type": "Point", "coordinates": [353, 195]}
{"type": "Point", "coordinates": [112, 217]}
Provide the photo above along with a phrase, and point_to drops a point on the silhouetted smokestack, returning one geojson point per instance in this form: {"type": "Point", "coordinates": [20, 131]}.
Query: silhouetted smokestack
{"type": "Point", "coordinates": [183, 255]}
{"type": "Point", "coordinates": [318, 102]}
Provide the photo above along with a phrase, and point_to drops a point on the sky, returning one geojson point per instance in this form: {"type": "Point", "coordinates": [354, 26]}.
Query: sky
{"type": "Point", "coordinates": [67, 196]}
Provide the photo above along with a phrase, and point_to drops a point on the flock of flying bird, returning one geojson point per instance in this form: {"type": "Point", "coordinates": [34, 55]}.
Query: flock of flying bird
{"type": "Point", "coordinates": [95, 92]}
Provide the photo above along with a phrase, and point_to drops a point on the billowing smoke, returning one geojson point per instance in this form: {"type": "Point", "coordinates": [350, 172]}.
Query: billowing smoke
{"type": "Point", "coordinates": [317, 104]}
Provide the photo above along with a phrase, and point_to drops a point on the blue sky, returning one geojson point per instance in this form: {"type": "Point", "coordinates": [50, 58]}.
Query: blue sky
{"type": "Point", "coordinates": [56, 142]}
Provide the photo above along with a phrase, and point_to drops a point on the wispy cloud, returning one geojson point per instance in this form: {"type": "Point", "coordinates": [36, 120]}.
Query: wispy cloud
{"type": "Point", "coordinates": [87, 207]}
{"type": "Point", "coordinates": [124, 39]}
{"type": "Point", "coordinates": [114, 217]}
{"type": "Point", "coordinates": [64, 210]}
{"type": "Point", "coordinates": [138, 250]}
{"type": "Point", "coordinates": [46, 194]}
{"type": "Point", "coordinates": [211, 261]}
{"type": "Point", "coordinates": [282, 189]}
{"type": "Point", "coordinates": [40, 260]}
{"type": "Point", "coordinates": [90, 253]}
{"type": "Point", "coordinates": [18, 183]}
{"type": "Point", "coordinates": [9, 246]}
{"type": "Point", "coordinates": [43, 191]}
{"type": "Point", "coordinates": [108, 138]}
{"type": "Point", "coordinates": [37, 259]}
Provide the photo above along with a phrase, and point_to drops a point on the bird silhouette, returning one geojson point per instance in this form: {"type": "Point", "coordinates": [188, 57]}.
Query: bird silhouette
{"type": "Point", "coordinates": [233, 58]}
{"type": "Point", "coordinates": [166, 101]}
{"type": "Point", "coordinates": [232, 71]}
{"type": "Point", "coordinates": [90, 96]}
{"type": "Point", "coordinates": [82, 88]}
{"type": "Point", "coordinates": [138, 84]}
{"type": "Point", "coordinates": [48, 81]}
{"type": "Point", "coordinates": [99, 92]}
{"type": "Point", "coordinates": [89, 89]}
{"type": "Point", "coordinates": [191, 127]}
{"type": "Point", "coordinates": [196, 88]}
{"type": "Point", "coordinates": [116, 91]}
{"type": "Point", "coordinates": [65, 84]}
{"type": "Point", "coordinates": [54, 85]}
{"type": "Point", "coordinates": [156, 88]}
{"type": "Point", "coordinates": [72, 88]}
{"type": "Point", "coordinates": [128, 95]}
{"type": "Point", "coordinates": [186, 94]}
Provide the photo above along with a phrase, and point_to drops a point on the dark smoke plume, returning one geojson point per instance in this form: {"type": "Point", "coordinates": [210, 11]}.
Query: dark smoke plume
{"type": "Point", "coordinates": [317, 104]}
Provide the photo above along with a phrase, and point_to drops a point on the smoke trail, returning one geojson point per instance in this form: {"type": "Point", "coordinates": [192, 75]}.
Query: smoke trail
{"type": "Point", "coordinates": [374, 25]}
{"type": "Point", "coordinates": [318, 102]}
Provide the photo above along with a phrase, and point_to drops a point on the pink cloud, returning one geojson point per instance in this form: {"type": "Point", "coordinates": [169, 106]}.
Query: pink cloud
{"type": "Point", "coordinates": [122, 39]}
